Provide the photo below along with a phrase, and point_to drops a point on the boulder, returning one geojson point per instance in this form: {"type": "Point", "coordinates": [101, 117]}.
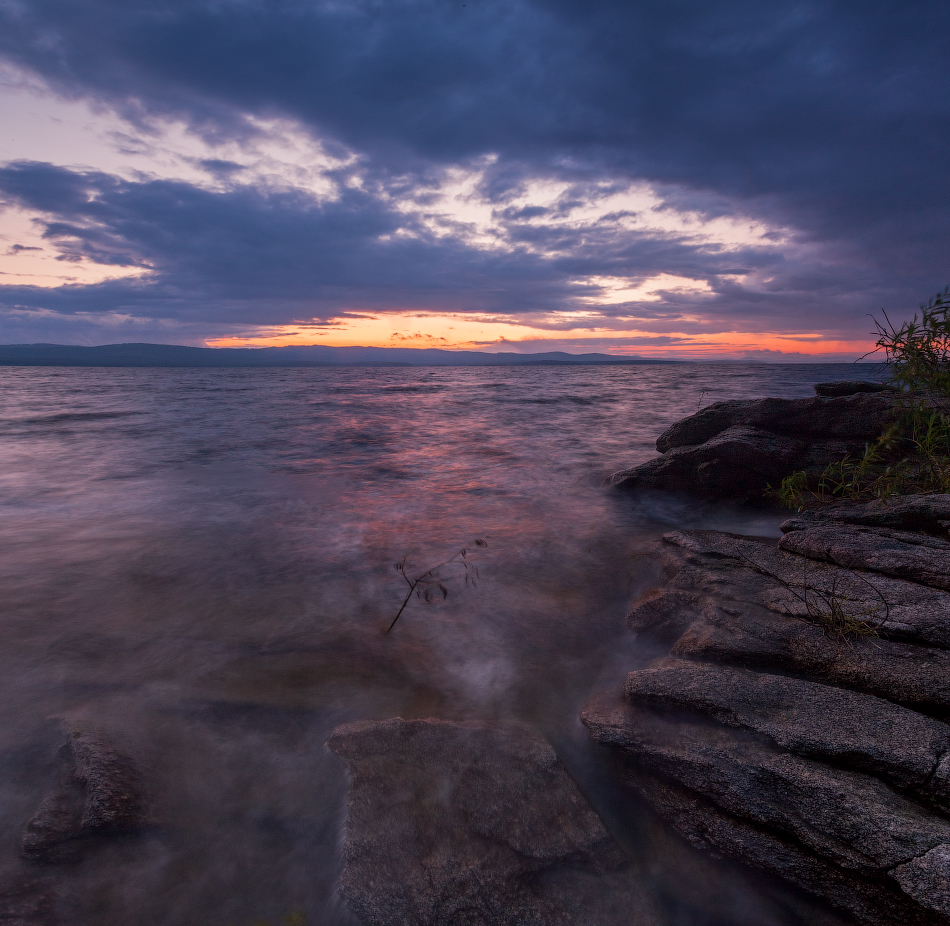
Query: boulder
{"type": "Point", "coordinates": [471, 824]}
{"type": "Point", "coordinates": [99, 795]}
{"type": "Point", "coordinates": [841, 387]}
{"type": "Point", "coordinates": [859, 417]}
{"type": "Point", "coordinates": [906, 555]}
{"type": "Point", "coordinates": [811, 720]}
{"type": "Point", "coordinates": [738, 462]}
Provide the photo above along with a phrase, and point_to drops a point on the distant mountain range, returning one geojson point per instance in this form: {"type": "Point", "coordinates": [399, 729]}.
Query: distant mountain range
{"type": "Point", "coordinates": [173, 355]}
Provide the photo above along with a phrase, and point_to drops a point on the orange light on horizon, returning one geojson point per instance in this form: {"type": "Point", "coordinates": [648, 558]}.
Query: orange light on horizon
{"type": "Point", "coordinates": [453, 332]}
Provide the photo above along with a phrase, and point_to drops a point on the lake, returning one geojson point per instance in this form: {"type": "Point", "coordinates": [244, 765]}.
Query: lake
{"type": "Point", "coordinates": [202, 563]}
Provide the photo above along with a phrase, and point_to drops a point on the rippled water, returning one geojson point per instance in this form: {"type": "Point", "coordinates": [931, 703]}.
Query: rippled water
{"type": "Point", "coordinates": [202, 562]}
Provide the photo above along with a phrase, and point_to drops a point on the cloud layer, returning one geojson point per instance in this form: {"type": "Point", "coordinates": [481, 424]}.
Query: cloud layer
{"type": "Point", "coordinates": [656, 169]}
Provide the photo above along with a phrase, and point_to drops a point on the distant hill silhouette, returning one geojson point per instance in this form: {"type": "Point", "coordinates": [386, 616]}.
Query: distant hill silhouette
{"type": "Point", "coordinates": [173, 355]}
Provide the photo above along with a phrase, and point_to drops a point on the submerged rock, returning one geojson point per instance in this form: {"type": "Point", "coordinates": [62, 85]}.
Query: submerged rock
{"type": "Point", "coordinates": [469, 824]}
{"type": "Point", "coordinates": [26, 901]}
{"type": "Point", "coordinates": [101, 794]}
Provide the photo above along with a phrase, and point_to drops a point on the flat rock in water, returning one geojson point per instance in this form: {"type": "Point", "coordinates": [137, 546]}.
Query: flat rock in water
{"type": "Point", "coordinates": [461, 823]}
{"type": "Point", "coordinates": [26, 901]}
{"type": "Point", "coordinates": [808, 719]}
{"type": "Point", "coordinates": [850, 824]}
{"type": "Point", "coordinates": [101, 794]}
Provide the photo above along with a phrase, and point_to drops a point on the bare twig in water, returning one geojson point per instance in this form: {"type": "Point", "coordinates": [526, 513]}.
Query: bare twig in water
{"type": "Point", "coordinates": [699, 402]}
{"type": "Point", "coordinates": [430, 584]}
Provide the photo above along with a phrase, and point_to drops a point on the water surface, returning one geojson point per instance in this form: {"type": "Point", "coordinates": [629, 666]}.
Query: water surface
{"type": "Point", "coordinates": [202, 563]}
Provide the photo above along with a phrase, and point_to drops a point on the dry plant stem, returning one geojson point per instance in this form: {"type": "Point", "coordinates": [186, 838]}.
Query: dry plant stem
{"type": "Point", "coordinates": [832, 617]}
{"type": "Point", "coordinates": [422, 585]}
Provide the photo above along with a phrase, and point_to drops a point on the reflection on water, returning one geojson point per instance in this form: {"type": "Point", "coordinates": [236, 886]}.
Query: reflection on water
{"type": "Point", "coordinates": [201, 562]}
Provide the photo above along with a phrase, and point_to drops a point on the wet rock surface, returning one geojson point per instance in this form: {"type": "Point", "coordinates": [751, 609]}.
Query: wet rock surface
{"type": "Point", "coordinates": [99, 795]}
{"type": "Point", "coordinates": [26, 901]}
{"type": "Point", "coordinates": [799, 724]}
{"type": "Point", "coordinates": [474, 824]}
{"type": "Point", "coordinates": [929, 514]}
{"type": "Point", "coordinates": [851, 387]}
{"type": "Point", "coordinates": [736, 449]}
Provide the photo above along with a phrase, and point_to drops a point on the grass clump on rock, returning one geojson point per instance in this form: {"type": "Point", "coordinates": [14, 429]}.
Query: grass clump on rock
{"type": "Point", "coordinates": [913, 455]}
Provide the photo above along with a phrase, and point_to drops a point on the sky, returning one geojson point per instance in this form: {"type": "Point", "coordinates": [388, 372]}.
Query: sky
{"type": "Point", "coordinates": [668, 178]}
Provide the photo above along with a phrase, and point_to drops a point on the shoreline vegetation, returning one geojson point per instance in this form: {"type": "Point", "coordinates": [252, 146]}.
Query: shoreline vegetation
{"type": "Point", "coordinates": [912, 455]}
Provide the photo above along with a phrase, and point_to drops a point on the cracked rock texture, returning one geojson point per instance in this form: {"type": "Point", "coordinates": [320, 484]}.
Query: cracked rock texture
{"type": "Point", "coordinates": [799, 724]}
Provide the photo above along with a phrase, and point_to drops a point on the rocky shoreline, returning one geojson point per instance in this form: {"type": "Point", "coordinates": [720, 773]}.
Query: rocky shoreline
{"type": "Point", "coordinates": [798, 723]}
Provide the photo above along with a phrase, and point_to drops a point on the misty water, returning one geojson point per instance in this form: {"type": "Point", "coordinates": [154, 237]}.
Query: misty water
{"type": "Point", "coordinates": [201, 563]}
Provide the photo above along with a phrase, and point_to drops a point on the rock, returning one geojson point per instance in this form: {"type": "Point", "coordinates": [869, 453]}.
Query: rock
{"type": "Point", "coordinates": [111, 781]}
{"type": "Point", "coordinates": [736, 449]}
{"type": "Point", "coordinates": [814, 721]}
{"type": "Point", "coordinates": [454, 823]}
{"type": "Point", "coordinates": [739, 462]}
{"type": "Point", "coordinates": [926, 513]}
{"type": "Point", "coordinates": [910, 675]}
{"type": "Point", "coordinates": [664, 613]}
{"type": "Point", "coordinates": [851, 387]}
{"type": "Point", "coordinates": [858, 417]}
{"type": "Point", "coordinates": [707, 827]}
{"type": "Point", "coordinates": [917, 557]}
{"type": "Point", "coordinates": [26, 901]}
{"type": "Point", "coordinates": [847, 823]}
{"type": "Point", "coordinates": [731, 602]}
{"type": "Point", "coordinates": [790, 584]}
{"type": "Point", "coordinates": [927, 879]}
{"type": "Point", "coordinates": [100, 795]}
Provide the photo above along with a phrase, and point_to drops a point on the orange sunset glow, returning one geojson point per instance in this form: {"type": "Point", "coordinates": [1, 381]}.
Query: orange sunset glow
{"type": "Point", "coordinates": [453, 332]}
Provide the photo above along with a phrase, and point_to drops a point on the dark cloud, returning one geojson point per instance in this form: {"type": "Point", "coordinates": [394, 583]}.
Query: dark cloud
{"type": "Point", "coordinates": [829, 119]}
{"type": "Point", "coordinates": [260, 256]}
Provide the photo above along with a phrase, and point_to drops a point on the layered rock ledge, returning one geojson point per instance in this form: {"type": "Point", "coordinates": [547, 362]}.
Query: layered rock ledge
{"type": "Point", "coordinates": [798, 723]}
